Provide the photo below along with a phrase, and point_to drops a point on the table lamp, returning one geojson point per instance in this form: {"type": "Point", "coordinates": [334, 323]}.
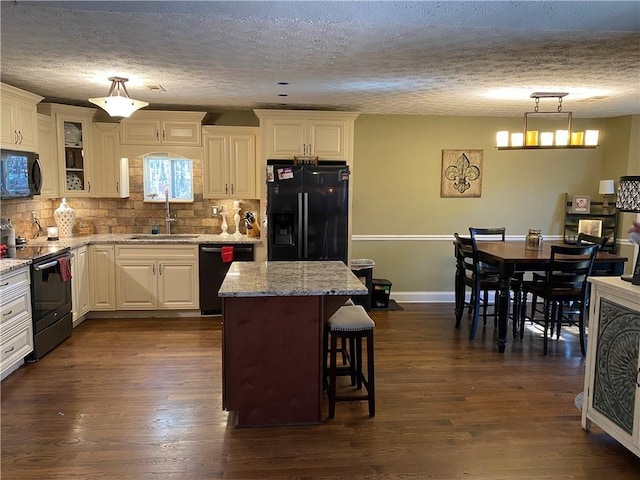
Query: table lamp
{"type": "Point", "coordinates": [629, 201]}
{"type": "Point", "coordinates": [606, 189]}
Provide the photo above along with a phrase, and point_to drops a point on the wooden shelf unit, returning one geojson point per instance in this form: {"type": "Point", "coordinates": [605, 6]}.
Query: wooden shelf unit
{"type": "Point", "coordinates": [608, 217]}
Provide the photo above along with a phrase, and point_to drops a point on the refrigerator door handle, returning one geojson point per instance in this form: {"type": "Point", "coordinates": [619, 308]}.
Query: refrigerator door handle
{"type": "Point", "coordinates": [300, 229]}
{"type": "Point", "coordinates": [306, 224]}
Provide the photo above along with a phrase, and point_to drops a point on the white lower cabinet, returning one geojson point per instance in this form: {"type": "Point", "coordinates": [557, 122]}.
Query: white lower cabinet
{"type": "Point", "coordinates": [16, 339]}
{"type": "Point", "coordinates": [612, 374]}
{"type": "Point", "coordinates": [143, 282]}
{"type": "Point", "coordinates": [80, 305]}
{"type": "Point", "coordinates": [102, 277]}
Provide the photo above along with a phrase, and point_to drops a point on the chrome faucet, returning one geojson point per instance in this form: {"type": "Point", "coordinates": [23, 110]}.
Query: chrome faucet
{"type": "Point", "coordinates": [167, 216]}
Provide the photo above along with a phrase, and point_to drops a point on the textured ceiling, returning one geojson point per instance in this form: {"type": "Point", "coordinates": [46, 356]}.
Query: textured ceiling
{"type": "Point", "coordinates": [432, 58]}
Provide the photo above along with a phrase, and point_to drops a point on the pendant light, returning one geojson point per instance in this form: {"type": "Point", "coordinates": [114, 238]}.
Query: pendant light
{"type": "Point", "coordinates": [118, 104]}
{"type": "Point", "coordinates": [532, 139]}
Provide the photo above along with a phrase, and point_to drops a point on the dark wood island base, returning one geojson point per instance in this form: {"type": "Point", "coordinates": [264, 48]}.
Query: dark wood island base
{"type": "Point", "coordinates": [272, 359]}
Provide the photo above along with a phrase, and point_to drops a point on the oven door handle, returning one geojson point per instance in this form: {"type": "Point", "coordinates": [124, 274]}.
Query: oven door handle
{"type": "Point", "coordinates": [51, 264]}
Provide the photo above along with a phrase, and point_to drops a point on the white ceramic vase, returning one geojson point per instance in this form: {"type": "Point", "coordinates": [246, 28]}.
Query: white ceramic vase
{"type": "Point", "coordinates": [65, 217]}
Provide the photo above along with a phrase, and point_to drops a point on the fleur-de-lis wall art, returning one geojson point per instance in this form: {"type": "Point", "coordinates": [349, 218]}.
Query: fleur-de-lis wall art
{"type": "Point", "coordinates": [461, 173]}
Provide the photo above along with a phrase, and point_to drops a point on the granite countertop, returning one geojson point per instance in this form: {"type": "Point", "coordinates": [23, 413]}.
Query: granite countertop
{"type": "Point", "coordinates": [128, 239]}
{"type": "Point", "coordinates": [274, 279]}
{"type": "Point", "coordinates": [8, 264]}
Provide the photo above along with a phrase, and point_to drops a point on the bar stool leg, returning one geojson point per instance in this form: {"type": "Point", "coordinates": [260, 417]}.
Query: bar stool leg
{"type": "Point", "coordinates": [371, 387]}
{"type": "Point", "coordinates": [333, 375]}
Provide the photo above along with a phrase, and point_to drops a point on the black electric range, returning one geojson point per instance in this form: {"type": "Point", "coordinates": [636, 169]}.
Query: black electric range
{"type": "Point", "coordinates": [51, 307]}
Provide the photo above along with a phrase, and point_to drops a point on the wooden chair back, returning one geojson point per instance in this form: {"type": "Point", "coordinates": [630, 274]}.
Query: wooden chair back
{"type": "Point", "coordinates": [493, 233]}
{"type": "Point", "coordinates": [569, 268]}
{"type": "Point", "coordinates": [585, 239]}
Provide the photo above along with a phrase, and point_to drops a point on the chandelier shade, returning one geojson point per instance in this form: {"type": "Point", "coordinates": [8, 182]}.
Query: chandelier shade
{"type": "Point", "coordinates": [117, 103]}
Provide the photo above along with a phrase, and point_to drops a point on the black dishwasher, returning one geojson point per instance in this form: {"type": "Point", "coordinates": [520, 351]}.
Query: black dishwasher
{"type": "Point", "coordinates": [212, 271]}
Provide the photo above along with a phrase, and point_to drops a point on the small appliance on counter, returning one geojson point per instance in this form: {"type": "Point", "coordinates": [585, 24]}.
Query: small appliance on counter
{"type": "Point", "coordinates": [7, 233]}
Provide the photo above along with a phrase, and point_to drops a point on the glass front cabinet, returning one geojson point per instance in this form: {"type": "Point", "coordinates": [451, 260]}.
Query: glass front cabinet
{"type": "Point", "coordinates": [74, 149]}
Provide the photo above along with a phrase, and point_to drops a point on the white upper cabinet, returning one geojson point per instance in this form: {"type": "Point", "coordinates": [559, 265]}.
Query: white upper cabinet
{"type": "Point", "coordinates": [18, 119]}
{"type": "Point", "coordinates": [327, 135]}
{"type": "Point", "coordinates": [152, 127]}
{"type": "Point", "coordinates": [48, 157]}
{"type": "Point", "coordinates": [74, 148]}
{"type": "Point", "coordinates": [112, 171]}
{"type": "Point", "coordinates": [229, 166]}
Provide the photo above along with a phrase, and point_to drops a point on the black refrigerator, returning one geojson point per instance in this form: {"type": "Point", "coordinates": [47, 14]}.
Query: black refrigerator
{"type": "Point", "coordinates": [307, 211]}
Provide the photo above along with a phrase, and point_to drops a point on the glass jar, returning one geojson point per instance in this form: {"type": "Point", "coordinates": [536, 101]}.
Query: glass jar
{"type": "Point", "coordinates": [533, 241]}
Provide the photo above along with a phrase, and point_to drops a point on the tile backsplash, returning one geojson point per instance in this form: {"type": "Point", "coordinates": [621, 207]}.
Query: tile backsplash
{"type": "Point", "coordinates": [127, 215]}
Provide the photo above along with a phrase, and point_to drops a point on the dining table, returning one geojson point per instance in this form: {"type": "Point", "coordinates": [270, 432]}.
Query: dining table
{"type": "Point", "coordinates": [510, 257]}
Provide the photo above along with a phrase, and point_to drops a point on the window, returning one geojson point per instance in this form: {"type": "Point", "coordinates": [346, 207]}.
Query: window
{"type": "Point", "coordinates": [167, 173]}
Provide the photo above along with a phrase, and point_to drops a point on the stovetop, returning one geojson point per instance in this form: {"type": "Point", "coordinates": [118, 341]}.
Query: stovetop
{"type": "Point", "coordinates": [35, 253]}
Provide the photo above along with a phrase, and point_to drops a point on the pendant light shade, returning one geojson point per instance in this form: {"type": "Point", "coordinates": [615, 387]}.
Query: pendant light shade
{"type": "Point", "coordinates": [118, 104]}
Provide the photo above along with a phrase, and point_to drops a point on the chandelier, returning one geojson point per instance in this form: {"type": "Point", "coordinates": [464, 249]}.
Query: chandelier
{"type": "Point", "coordinates": [533, 139]}
{"type": "Point", "coordinates": [118, 104]}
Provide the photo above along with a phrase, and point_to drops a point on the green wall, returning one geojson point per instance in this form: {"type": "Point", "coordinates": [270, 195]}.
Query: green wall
{"type": "Point", "coordinates": [401, 222]}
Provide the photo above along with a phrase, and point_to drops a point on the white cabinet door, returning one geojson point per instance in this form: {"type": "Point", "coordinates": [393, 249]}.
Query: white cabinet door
{"type": "Point", "coordinates": [140, 132]}
{"type": "Point", "coordinates": [18, 117]}
{"type": "Point", "coordinates": [112, 179]}
{"type": "Point", "coordinates": [286, 138]}
{"type": "Point", "coordinates": [178, 285]}
{"type": "Point", "coordinates": [216, 166]}
{"type": "Point", "coordinates": [8, 134]}
{"type": "Point", "coordinates": [80, 283]}
{"type": "Point", "coordinates": [152, 277]}
{"type": "Point", "coordinates": [327, 139]}
{"type": "Point", "coordinates": [136, 286]}
{"type": "Point", "coordinates": [175, 132]}
{"type": "Point", "coordinates": [48, 158]}
{"type": "Point", "coordinates": [242, 166]}
{"type": "Point", "coordinates": [27, 122]}
{"type": "Point", "coordinates": [102, 281]}
{"type": "Point", "coordinates": [148, 127]}
{"type": "Point", "coordinates": [229, 162]}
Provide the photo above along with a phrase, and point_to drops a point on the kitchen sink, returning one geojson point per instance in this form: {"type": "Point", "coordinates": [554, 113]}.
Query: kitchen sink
{"type": "Point", "coordinates": [163, 236]}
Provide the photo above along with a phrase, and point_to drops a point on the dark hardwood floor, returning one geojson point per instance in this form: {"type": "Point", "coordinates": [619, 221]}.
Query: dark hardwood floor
{"type": "Point", "coordinates": [141, 399]}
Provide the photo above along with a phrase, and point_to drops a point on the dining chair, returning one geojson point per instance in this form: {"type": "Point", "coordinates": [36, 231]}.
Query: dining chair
{"type": "Point", "coordinates": [565, 280]}
{"type": "Point", "coordinates": [583, 239]}
{"type": "Point", "coordinates": [499, 234]}
{"type": "Point", "coordinates": [481, 282]}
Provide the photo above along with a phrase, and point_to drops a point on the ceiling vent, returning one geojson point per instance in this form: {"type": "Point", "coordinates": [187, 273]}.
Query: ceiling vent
{"type": "Point", "coordinates": [156, 88]}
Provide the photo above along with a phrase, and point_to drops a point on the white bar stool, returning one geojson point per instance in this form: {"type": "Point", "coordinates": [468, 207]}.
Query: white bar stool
{"type": "Point", "coordinates": [351, 323]}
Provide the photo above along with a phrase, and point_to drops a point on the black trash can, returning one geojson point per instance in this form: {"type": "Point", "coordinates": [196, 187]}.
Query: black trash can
{"type": "Point", "coordinates": [363, 269]}
{"type": "Point", "coordinates": [381, 293]}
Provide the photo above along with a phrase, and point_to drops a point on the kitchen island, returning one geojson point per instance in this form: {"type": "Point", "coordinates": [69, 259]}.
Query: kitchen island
{"type": "Point", "coordinates": [273, 317]}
